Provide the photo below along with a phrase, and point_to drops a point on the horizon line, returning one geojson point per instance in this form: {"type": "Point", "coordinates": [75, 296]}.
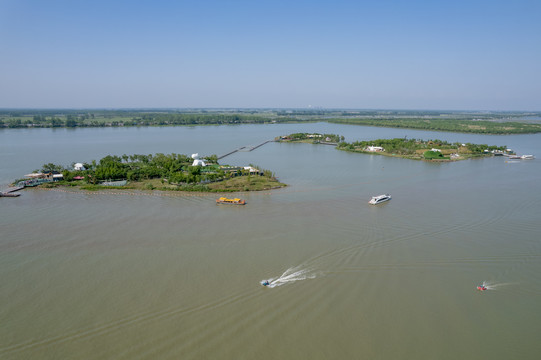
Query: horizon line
{"type": "Point", "coordinates": [258, 108]}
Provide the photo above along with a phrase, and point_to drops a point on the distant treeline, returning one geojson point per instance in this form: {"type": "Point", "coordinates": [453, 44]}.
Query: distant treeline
{"type": "Point", "coordinates": [451, 125]}
{"type": "Point", "coordinates": [459, 121]}
{"type": "Point", "coordinates": [149, 119]}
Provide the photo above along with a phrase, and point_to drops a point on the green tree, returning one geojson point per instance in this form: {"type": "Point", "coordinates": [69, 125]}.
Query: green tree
{"type": "Point", "coordinates": [212, 159]}
{"type": "Point", "coordinates": [14, 123]}
{"type": "Point", "coordinates": [71, 123]}
{"type": "Point", "coordinates": [50, 167]}
{"type": "Point", "coordinates": [433, 155]}
{"type": "Point", "coordinates": [68, 175]}
{"type": "Point", "coordinates": [194, 170]}
{"type": "Point", "coordinates": [56, 122]}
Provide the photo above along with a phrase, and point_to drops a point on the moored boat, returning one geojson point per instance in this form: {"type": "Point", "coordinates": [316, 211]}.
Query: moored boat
{"type": "Point", "coordinates": [527, 157]}
{"type": "Point", "coordinates": [379, 199]}
{"type": "Point", "coordinates": [235, 201]}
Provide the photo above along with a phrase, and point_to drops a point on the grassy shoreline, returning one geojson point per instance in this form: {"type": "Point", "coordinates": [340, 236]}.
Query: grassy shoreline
{"type": "Point", "coordinates": [420, 157]}
{"type": "Point", "coordinates": [251, 183]}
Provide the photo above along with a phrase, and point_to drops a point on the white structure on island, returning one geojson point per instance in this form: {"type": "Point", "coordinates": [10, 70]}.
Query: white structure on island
{"type": "Point", "coordinates": [252, 170]}
{"type": "Point", "coordinates": [374, 149]}
{"type": "Point", "coordinates": [78, 166]}
{"type": "Point", "coordinates": [197, 161]}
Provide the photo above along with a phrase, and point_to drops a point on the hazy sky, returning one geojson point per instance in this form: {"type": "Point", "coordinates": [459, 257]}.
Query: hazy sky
{"type": "Point", "coordinates": [456, 55]}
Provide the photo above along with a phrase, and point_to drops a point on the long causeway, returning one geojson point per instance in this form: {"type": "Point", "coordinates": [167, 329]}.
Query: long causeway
{"type": "Point", "coordinates": [245, 148]}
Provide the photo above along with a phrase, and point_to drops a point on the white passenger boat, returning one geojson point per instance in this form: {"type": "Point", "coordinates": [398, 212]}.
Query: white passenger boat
{"type": "Point", "coordinates": [379, 199]}
{"type": "Point", "coordinates": [527, 157]}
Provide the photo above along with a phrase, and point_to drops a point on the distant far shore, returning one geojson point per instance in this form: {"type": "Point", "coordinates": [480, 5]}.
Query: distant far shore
{"type": "Point", "coordinates": [449, 121]}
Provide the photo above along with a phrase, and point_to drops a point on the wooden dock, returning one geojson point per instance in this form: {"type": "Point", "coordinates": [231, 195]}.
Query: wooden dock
{"type": "Point", "coordinates": [245, 148]}
{"type": "Point", "coordinates": [12, 189]}
{"type": "Point", "coordinates": [10, 192]}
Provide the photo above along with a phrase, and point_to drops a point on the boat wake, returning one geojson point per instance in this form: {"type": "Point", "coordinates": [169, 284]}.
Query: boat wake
{"type": "Point", "coordinates": [494, 286]}
{"type": "Point", "coordinates": [291, 275]}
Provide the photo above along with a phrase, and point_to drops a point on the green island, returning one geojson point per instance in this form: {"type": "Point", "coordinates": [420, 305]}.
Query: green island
{"type": "Point", "coordinates": [312, 138]}
{"type": "Point", "coordinates": [480, 122]}
{"type": "Point", "coordinates": [177, 172]}
{"type": "Point", "coordinates": [415, 149]}
{"type": "Point", "coordinates": [173, 172]}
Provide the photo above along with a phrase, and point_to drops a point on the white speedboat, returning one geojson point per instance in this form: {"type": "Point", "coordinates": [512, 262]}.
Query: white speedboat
{"type": "Point", "coordinates": [379, 199]}
{"type": "Point", "coordinates": [527, 157]}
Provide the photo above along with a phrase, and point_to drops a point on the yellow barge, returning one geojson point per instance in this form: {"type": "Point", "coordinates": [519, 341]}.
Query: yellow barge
{"type": "Point", "coordinates": [235, 201]}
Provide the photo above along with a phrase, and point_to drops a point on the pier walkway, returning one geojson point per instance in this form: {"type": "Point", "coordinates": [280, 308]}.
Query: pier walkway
{"type": "Point", "coordinates": [11, 192]}
{"type": "Point", "coordinates": [245, 148]}
{"type": "Point", "coordinates": [12, 189]}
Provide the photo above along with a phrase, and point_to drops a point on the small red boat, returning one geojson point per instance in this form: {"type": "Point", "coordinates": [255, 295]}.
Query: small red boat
{"type": "Point", "coordinates": [481, 288]}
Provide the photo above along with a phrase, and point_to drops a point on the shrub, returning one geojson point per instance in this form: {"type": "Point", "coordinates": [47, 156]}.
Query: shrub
{"type": "Point", "coordinates": [433, 155]}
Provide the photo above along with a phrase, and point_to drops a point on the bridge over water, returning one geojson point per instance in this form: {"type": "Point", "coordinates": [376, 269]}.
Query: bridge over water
{"type": "Point", "coordinates": [245, 148]}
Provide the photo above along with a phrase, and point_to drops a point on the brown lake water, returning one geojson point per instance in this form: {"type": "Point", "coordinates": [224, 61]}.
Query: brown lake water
{"type": "Point", "coordinates": [116, 275]}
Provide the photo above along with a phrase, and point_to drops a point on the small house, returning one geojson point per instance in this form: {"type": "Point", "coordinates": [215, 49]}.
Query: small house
{"type": "Point", "coordinates": [253, 170]}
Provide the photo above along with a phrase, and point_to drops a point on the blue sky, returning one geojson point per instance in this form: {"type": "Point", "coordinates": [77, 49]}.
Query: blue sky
{"type": "Point", "coordinates": [385, 54]}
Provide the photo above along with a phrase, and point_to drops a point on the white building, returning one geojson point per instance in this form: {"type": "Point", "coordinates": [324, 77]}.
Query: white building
{"type": "Point", "coordinates": [374, 148]}
{"type": "Point", "coordinates": [252, 170]}
{"type": "Point", "coordinates": [78, 166]}
{"type": "Point", "coordinates": [197, 161]}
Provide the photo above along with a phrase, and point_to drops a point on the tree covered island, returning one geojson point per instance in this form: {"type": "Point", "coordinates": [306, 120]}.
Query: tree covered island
{"type": "Point", "coordinates": [173, 172]}
{"type": "Point", "coordinates": [434, 150]}
{"type": "Point", "coordinates": [416, 149]}
{"type": "Point", "coordinates": [312, 138]}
